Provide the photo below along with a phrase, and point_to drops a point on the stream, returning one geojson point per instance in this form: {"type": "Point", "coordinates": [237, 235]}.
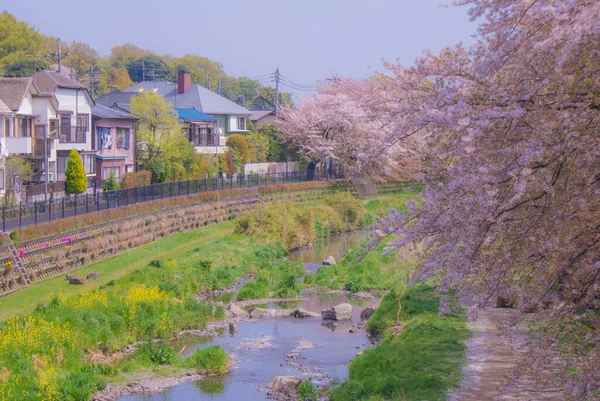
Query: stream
{"type": "Point", "coordinates": [262, 349]}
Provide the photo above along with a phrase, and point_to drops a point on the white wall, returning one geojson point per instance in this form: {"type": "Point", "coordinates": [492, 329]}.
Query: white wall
{"type": "Point", "coordinates": [77, 102]}
{"type": "Point", "coordinates": [27, 105]}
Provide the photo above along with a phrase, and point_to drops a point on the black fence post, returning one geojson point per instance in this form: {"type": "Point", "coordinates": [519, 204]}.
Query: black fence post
{"type": "Point", "coordinates": [107, 200]}
{"type": "Point", "coordinates": [87, 203]}
{"type": "Point", "coordinates": [136, 194]}
{"type": "Point", "coordinates": [49, 209]}
{"type": "Point", "coordinates": [75, 205]}
{"type": "Point", "coordinates": [35, 213]}
{"type": "Point", "coordinates": [205, 184]}
{"type": "Point", "coordinates": [117, 192]}
{"type": "Point", "coordinates": [231, 182]}
{"type": "Point", "coordinates": [97, 201]}
{"type": "Point", "coordinates": [152, 191]}
{"type": "Point", "coordinates": [179, 188]}
{"type": "Point", "coordinates": [20, 213]}
{"type": "Point", "coordinates": [170, 189]}
{"type": "Point", "coordinates": [63, 207]}
{"type": "Point", "coordinates": [4, 218]}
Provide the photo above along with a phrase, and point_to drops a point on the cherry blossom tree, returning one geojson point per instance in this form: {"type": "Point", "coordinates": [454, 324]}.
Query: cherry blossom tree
{"type": "Point", "coordinates": [347, 119]}
{"type": "Point", "coordinates": [514, 137]}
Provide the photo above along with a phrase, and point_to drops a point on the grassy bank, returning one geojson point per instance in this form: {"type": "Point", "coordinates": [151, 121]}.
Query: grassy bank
{"type": "Point", "coordinates": [25, 300]}
{"type": "Point", "coordinates": [420, 360]}
{"type": "Point", "coordinates": [69, 346]}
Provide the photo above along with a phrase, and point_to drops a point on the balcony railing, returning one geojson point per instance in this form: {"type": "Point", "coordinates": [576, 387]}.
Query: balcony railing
{"type": "Point", "coordinates": [72, 134]}
{"type": "Point", "coordinates": [204, 139]}
{"type": "Point", "coordinates": [19, 145]}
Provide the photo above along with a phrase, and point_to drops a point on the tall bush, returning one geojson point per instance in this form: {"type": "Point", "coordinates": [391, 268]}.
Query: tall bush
{"type": "Point", "coordinates": [238, 146]}
{"type": "Point", "coordinates": [76, 180]}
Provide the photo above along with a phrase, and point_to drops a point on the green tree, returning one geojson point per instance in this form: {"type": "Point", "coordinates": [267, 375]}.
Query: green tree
{"type": "Point", "coordinates": [113, 79]}
{"type": "Point", "coordinates": [150, 67]}
{"type": "Point", "coordinates": [25, 68]}
{"type": "Point", "coordinates": [266, 98]}
{"type": "Point", "coordinates": [201, 69]}
{"type": "Point", "coordinates": [158, 168]}
{"type": "Point", "coordinates": [81, 58]}
{"type": "Point", "coordinates": [158, 121]}
{"type": "Point", "coordinates": [75, 178]}
{"type": "Point", "coordinates": [276, 152]}
{"type": "Point", "coordinates": [16, 169]}
{"type": "Point", "coordinates": [17, 38]}
{"type": "Point", "coordinates": [238, 147]}
{"type": "Point", "coordinates": [121, 55]}
{"type": "Point", "coordinates": [258, 147]}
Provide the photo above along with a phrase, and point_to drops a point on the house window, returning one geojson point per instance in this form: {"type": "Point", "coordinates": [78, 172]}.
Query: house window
{"type": "Point", "coordinates": [123, 139]}
{"type": "Point", "coordinates": [83, 122]}
{"type": "Point", "coordinates": [62, 164]}
{"type": "Point", "coordinates": [65, 128]}
{"type": "Point", "coordinates": [129, 168]}
{"type": "Point", "coordinates": [89, 163]}
{"type": "Point", "coordinates": [241, 123]}
{"type": "Point", "coordinates": [107, 170]}
{"type": "Point", "coordinates": [24, 127]}
{"type": "Point", "coordinates": [53, 129]}
{"type": "Point", "coordinates": [104, 139]}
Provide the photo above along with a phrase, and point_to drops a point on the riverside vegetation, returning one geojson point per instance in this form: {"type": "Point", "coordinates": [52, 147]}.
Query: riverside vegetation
{"type": "Point", "coordinates": [73, 345]}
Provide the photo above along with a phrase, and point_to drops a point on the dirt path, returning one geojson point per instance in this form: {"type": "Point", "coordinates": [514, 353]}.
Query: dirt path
{"type": "Point", "coordinates": [491, 357]}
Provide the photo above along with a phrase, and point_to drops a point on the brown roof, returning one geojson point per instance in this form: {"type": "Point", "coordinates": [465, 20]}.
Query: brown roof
{"type": "Point", "coordinates": [4, 109]}
{"type": "Point", "coordinates": [48, 81]}
{"type": "Point", "coordinates": [13, 91]}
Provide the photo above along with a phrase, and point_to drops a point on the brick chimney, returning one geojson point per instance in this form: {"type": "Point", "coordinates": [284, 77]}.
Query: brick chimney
{"type": "Point", "coordinates": [184, 80]}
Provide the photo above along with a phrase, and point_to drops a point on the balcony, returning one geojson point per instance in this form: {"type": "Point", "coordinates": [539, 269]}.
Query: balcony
{"type": "Point", "coordinates": [72, 134]}
{"type": "Point", "coordinates": [19, 145]}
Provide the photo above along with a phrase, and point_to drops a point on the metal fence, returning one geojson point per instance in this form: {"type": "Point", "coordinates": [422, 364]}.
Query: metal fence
{"type": "Point", "coordinates": [27, 214]}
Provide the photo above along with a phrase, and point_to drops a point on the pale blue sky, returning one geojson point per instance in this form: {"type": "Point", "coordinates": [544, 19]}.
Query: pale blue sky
{"type": "Point", "coordinates": [308, 40]}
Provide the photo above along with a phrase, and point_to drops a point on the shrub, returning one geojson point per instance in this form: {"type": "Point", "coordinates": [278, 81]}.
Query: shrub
{"type": "Point", "coordinates": [306, 391]}
{"type": "Point", "coordinates": [208, 360]}
{"type": "Point", "coordinates": [352, 286]}
{"type": "Point", "coordinates": [156, 263]}
{"type": "Point", "coordinates": [139, 179]}
{"type": "Point", "coordinates": [254, 290]}
{"type": "Point", "coordinates": [288, 288]}
{"type": "Point", "coordinates": [75, 178]}
{"type": "Point", "coordinates": [238, 147]}
{"type": "Point", "coordinates": [111, 183]}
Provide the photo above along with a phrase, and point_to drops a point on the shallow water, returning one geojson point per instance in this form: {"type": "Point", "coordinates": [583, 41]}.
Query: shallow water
{"type": "Point", "coordinates": [263, 349]}
{"type": "Point", "coordinates": [334, 245]}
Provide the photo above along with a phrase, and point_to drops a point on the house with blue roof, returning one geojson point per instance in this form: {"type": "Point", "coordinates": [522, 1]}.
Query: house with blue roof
{"type": "Point", "coordinates": [191, 98]}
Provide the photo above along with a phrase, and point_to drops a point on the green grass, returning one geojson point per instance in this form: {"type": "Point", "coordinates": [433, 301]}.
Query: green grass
{"type": "Point", "coordinates": [25, 300]}
{"type": "Point", "coordinates": [208, 360]}
{"type": "Point", "coordinates": [421, 363]}
{"type": "Point", "coordinates": [146, 295]}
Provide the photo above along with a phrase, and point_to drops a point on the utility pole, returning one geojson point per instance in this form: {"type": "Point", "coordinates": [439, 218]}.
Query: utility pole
{"type": "Point", "coordinates": [58, 56]}
{"type": "Point", "coordinates": [93, 79]}
{"type": "Point", "coordinates": [276, 92]}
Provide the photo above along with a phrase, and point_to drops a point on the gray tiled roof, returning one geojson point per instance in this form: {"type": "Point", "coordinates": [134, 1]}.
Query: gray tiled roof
{"type": "Point", "coordinates": [196, 96]}
{"type": "Point", "coordinates": [258, 114]}
{"type": "Point", "coordinates": [116, 98]}
{"type": "Point", "coordinates": [13, 90]}
{"type": "Point", "coordinates": [109, 113]}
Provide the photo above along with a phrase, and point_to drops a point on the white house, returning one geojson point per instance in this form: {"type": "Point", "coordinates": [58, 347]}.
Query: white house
{"type": "Point", "coordinates": [73, 122]}
{"type": "Point", "coordinates": [22, 130]}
